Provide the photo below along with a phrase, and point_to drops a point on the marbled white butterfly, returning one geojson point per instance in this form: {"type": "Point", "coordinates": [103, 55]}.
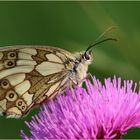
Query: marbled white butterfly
{"type": "Point", "coordinates": [29, 75]}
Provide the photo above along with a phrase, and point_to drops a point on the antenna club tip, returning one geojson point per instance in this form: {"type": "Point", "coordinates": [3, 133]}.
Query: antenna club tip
{"type": "Point", "coordinates": [115, 39]}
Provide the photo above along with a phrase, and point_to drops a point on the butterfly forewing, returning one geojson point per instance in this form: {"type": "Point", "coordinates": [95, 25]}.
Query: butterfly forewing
{"type": "Point", "coordinates": [29, 75]}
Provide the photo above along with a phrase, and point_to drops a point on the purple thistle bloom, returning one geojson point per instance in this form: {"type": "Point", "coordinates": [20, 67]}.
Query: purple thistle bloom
{"type": "Point", "coordinates": [97, 112]}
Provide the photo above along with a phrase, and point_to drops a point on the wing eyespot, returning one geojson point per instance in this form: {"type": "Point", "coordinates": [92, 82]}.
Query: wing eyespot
{"type": "Point", "coordinates": [21, 105]}
{"type": "Point", "coordinates": [11, 96]}
{"type": "Point", "coordinates": [12, 55]}
{"type": "Point", "coordinates": [9, 63]}
{"type": "Point", "coordinates": [19, 102]}
{"type": "Point", "coordinates": [23, 108]}
{"type": "Point", "coordinates": [5, 84]}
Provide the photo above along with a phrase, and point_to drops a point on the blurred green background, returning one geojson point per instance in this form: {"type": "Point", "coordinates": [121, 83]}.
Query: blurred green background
{"type": "Point", "coordinates": [73, 26]}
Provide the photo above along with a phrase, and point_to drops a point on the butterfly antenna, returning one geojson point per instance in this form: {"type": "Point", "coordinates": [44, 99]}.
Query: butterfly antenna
{"type": "Point", "coordinates": [97, 43]}
{"type": "Point", "coordinates": [105, 32]}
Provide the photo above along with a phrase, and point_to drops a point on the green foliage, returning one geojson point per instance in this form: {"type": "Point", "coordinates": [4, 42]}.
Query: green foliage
{"type": "Point", "coordinates": [73, 26]}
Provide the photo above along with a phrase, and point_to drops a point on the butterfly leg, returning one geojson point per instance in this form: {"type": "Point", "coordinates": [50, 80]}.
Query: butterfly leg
{"type": "Point", "coordinates": [88, 77]}
{"type": "Point", "coordinates": [71, 87]}
{"type": "Point", "coordinates": [74, 82]}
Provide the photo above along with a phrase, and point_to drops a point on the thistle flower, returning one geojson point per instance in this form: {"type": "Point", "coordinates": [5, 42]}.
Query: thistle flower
{"type": "Point", "coordinates": [97, 112]}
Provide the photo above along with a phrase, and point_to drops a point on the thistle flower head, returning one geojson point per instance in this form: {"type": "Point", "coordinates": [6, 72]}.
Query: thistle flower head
{"type": "Point", "coordinates": [95, 112]}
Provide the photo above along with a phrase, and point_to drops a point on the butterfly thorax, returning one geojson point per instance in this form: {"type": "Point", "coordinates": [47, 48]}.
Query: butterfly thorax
{"type": "Point", "coordinates": [80, 67]}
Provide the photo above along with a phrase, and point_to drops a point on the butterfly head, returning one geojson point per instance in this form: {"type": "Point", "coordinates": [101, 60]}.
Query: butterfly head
{"type": "Point", "coordinates": [84, 58]}
{"type": "Point", "coordinates": [88, 56]}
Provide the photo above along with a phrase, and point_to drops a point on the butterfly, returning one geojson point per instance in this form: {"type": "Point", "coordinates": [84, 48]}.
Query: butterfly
{"type": "Point", "coordinates": [31, 74]}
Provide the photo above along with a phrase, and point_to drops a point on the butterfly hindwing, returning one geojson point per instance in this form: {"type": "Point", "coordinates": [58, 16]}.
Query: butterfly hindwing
{"type": "Point", "coordinates": [30, 75]}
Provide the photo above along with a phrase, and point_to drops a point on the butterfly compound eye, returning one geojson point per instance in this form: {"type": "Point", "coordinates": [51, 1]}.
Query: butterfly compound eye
{"type": "Point", "coordinates": [87, 56]}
